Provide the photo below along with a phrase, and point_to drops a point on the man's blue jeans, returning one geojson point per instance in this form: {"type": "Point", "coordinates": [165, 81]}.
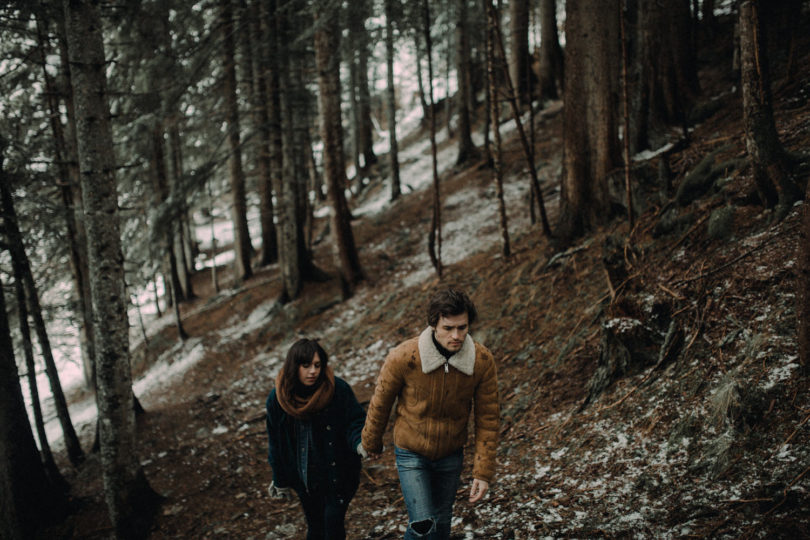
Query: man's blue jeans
{"type": "Point", "coordinates": [429, 489]}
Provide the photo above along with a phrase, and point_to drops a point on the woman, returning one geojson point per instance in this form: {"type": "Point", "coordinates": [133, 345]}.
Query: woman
{"type": "Point", "coordinates": [313, 427]}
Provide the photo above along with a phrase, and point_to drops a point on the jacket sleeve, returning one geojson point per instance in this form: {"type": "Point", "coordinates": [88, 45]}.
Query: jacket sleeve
{"type": "Point", "coordinates": [389, 384]}
{"type": "Point", "coordinates": [274, 435]}
{"type": "Point", "coordinates": [487, 414]}
{"type": "Point", "coordinates": [354, 416]}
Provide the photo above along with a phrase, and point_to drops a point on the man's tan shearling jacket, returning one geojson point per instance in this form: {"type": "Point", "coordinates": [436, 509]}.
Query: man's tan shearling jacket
{"type": "Point", "coordinates": [435, 398]}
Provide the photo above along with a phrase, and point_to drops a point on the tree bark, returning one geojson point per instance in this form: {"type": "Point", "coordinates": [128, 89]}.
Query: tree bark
{"type": "Point", "coordinates": [17, 248]}
{"type": "Point", "coordinates": [390, 102]}
{"type": "Point", "coordinates": [435, 238]}
{"type": "Point", "coordinates": [362, 11]}
{"type": "Point", "coordinates": [130, 500]}
{"type": "Point", "coordinates": [667, 70]}
{"type": "Point", "coordinates": [590, 139]}
{"type": "Point", "coordinates": [287, 210]}
{"type": "Point", "coordinates": [770, 160]}
{"type": "Point", "coordinates": [497, 44]}
{"type": "Point", "coordinates": [497, 170]}
{"type": "Point", "coordinates": [259, 28]}
{"type": "Point", "coordinates": [466, 148]}
{"type": "Point", "coordinates": [551, 74]}
{"type": "Point", "coordinates": [27, 499]}
{"type": "Point", "coordinates": [28, 350]}
{"type": "Point", "coordinates": [241, 236]}
{"type": "Point", "coordinates": [519, 49]}
{"type": "Point", "coordinates": [327, 43]}
{"type": "Point", "coordinates": [72, 199]}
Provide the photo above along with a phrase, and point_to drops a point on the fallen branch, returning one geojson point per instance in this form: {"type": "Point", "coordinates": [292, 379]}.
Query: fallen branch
{"type": "Point", "coordinates": [787, 488]}
{"type": "Point", "coordinates": [735, 260]}
{"type": "Point", "coordinates": [370, 478]}
{"type": "Point", "coordinates": [795, 431]}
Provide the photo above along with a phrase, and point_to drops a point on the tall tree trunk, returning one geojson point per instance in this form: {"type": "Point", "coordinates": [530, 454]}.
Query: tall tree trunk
{"type": "Point", "coordinates": [511, 96]}
{"type": "Point", "coordinates": [497, 170]}
{"type": "Point", "coordinates": [435, 238]}
{"type": "Point", "coordinates": [72, 199]}
{"type": "Point", "coordinates": [770, 161]}
{"type": "Point", "coordinates": [241, 235]}
{"type": "Point", "coordinates": [302, 117]}
{"type": "Point", "coordinates": [626, 114]}
{"type": "Point", "coordinates": [287, 210]}
{"type": "Point", "coordinates": [390, 102]}
{"type": "Point", "coordinates": [27, 499]}
{"type": "Point", "coordinates": [259, 29]}
{"type": "Point", "coordinates": [183, 240]}
{"type": "Point", "coordinates": [130, 500]}
{"type": "Point", "coordinates": [17, 248]}
{"type": "Point", "coordinates": [551, 56]}
{"type": "Point", "coordinates": [488, 97]}
{"type": "Point", "coordinates": [519, 48]}
{"type": "Point", "coordinates": [590, 139]}
{"type": "Point", "coordinates": [420, 79]}
{"type": "Point", "coordinates": [364, 108]}
{"type": "Point", "coordinates": [466, 148]}
{"type": "Point", "coordinates": [803, 285]}
{"type": "Point", "coordinates": [354, 112]}
{"type": "Point", "coordinates": [327, 43]}
{"type": "Point", "coordinates": [28, 350]}
{"type": "Point", "coordinates": [668, 73]}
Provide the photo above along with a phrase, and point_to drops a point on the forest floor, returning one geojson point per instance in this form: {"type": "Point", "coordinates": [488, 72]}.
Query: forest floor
{"type": "Point", "coordinates": [609, 428]}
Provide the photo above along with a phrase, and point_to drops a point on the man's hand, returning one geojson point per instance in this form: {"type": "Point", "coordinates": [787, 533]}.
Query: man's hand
{"type": "Point", "coordinates": [479, 489]}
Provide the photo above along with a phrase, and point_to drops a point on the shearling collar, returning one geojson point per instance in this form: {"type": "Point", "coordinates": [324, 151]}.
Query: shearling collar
{"type": "Point", "coordinates": [463, 360]}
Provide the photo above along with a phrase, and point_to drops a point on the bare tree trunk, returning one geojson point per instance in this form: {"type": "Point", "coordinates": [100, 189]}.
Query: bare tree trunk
{"type": "Point", "coordinates": [551, 57]}
{"type": "Point", "coordinates": [28, 350]}
{"type": "Point", "coordinates": [260, 30]}
{"type": "Point", "coordinates": [214, 280]}
{"type": "Point", "coordinates": [492, 35]}
{"type": "Point", "coordinates": [492, 15]}
{"type": "Point", "coordinates": [488, 97]}
{"type": "Point", "coordinates": [241, 235]}
{"type": "Point", "coordinates": [626, 106]}
{"type": "Point", "coordinates": [590, 139]}
{"type": "Point", "coordinates": [435, 238]}
{"type": "Point", "coordinates": [130, 500]}
{"type": "Point", "coordinates": [72, 198]}
{"type": "Point", "coordinates": [466, 148]}
{"type": "Point", "coordinates": [420, 79]}
{"type": "Point", "coordinates": [287, 210]}
{"type": "Point", "coordinates": [803, 283]}
{"type": "Point", "coordinates": [17, 248]}
{"type": "Point", "coordinates": [28, 500]}
{"type": "Point", "coordinates": [770, 161]}
{"type": "Point", "coordinates": [363, 95]}
{"type": "Point", "coordinates": [354, 108]}
{"type": "Point", "coordinates": [391, 106]}
{"type": "Point", "coordinates": [519, 47]}
{"type": "Point", "coordinates": [327, 43]}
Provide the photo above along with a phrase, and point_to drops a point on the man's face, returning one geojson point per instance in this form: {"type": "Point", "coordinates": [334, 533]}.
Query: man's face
{"type": "Point", "coordinates": [451, 331]}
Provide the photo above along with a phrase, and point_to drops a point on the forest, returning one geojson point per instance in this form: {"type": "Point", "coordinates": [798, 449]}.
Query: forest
{"type": "Point", "coordinates": [188, 187]}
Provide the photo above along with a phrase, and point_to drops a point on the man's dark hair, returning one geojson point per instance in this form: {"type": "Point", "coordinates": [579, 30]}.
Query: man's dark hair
{"type": "Point", "coordinates": [449, 302]}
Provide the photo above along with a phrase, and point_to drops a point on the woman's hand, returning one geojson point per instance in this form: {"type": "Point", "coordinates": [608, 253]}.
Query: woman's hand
{"type": "Point", "coordinates": [279, 493]}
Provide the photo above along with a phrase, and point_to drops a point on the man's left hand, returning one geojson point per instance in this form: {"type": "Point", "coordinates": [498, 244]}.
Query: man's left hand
{"type": "Point", "coordinates": [479, 489]}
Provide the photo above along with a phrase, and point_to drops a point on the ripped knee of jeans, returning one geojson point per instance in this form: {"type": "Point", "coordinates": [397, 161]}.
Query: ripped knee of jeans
{"type": "Point", "coordinates": [424, 526]}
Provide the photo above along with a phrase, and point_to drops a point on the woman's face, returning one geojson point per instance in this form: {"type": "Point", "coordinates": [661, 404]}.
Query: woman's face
{"type": "Point", "coordinates": [308, 373]}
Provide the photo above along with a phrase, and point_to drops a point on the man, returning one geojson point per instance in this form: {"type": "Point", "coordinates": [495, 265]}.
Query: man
{"type": "Point", "coordinates": [438, 377]}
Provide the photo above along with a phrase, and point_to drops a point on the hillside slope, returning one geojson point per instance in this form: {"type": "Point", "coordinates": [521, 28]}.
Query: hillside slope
{"type": "Point", "coordinates": [649, 378]}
